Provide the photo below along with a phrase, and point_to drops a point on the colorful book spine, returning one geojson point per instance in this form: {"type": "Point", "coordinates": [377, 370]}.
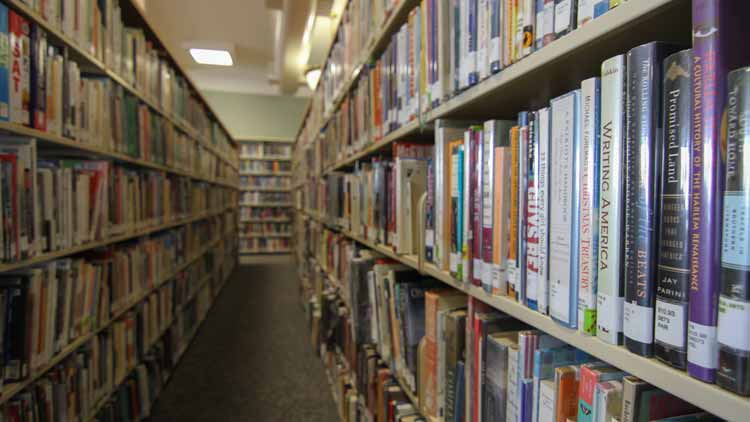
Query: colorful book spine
{"type": "Point", "coordinates": [610, 277]}
{"type": "Point", "coordinates": [472, 72]}
{"type": "Point", "coordinates": [429, 234]}
{"type": "Point", "coordinates": [20, 69]}
{"type": "Point", "coordinates": [5, 64]}
{"type": "Point", "coordinates": [38, 77]}
{"type": "Point", "coordinates": [717, 28]}
{"type": "Point", "coordinates": [495, 47]}
{"type": "Point", "coordinates": [734, 301]}
{"type": "Point", "coordinates": [673, 265]}
{"type": "Point", "coordinates": [525, 124]}
{"type": "Point", "coordinates": [564, 209]}
{"type": "Point", "coordinates": [511, 268]}
{"type": "Point", "coordinates": [589, 203]}
{"type": "Point", "coordinates": [500, 131]}
{"type": "Point", "coordinates": [469, 161]}
{"type": "Point", "coordinates": [529, 18]}
{"type": "Point", "coordinates": [642, 163]}
{"type": "Point", "coordinates": [456, 208]}
{"type": "Point", "coordinates": [532, 218]}
{"type": "Point", "coordinates": [542, 135]}
{"type": "Point", "coordinates": [477, 179]}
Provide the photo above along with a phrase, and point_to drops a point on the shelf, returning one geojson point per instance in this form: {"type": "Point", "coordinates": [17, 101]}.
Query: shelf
{"type": "Point", "coordinates": [265, 204]}
{"type": "Point", "coordinates": [10, 390]}
{"type": "Point", "coordinates": [265, 173]}
{"type": "Point", "coordinates": [251, 158]}
{"type": "Point", "coordinates": [46, 139]}
{"type": "Point", "coordinates": [100, 243]}
{"type": "Point", "coordinates": [711, 398]}
{"type": "Point", "coordinates": [264, 251]}
{"type": "Point", "coordinates": [555, 69]}
{"type": "Point", "coordinates": [266, 189]}
{"type": "Point", "coordinates": [266, 220]}
{"type": "Point", "coordinates": [262, 235]}
{"type": "Point", "coordinates": [88, 62]}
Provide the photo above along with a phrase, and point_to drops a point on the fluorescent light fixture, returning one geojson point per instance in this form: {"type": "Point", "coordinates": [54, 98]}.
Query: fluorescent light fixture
{"type": "Point", "coordinates": [312, 76]}
{"type": "Point", "coordinates": [212, 57]}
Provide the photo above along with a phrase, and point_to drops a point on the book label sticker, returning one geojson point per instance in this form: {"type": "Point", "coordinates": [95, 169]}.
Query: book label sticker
{"type": "Point", "coordinates": [638, 321]}
{"type": "Point", "coordinates": [429, 238]}
{"type": "Point", "coordinates": [669, 327]}
{"type": "Point", "coordinates": [703, 349]}
{"type": "Point", "coordinates": [609, 309]}
{"type": "Point", "coordinates": [734, 318]}
{"type": "Point", "coordinates": [736, 237]}
{"type": "Point", "coordinates": [497, 275]}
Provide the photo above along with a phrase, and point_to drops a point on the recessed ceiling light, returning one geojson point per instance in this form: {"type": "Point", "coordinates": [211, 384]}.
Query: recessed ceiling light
{"type": "Point", "coordinates": [212, 57]}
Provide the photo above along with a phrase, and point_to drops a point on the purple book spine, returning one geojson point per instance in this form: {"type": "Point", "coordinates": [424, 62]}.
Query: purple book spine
{"type": "Point", "coordinates": [716, 25]}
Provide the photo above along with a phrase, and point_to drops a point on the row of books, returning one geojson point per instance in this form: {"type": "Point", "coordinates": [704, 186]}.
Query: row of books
{"type": "Point", "coordinates": [265, 150]}
{"type": "Point", "coordinates": [442, 49]}
{"type": "Point", "coordinates": [581, 210]}
{"type": "Point", "coordinates": [49, 306]}
{"type": "Point", "coordinates": [462, 360]}
{"type": "Point", "coordinates": [259, 197]}
{"type": "Point", "coordinates": [275, 182]}
{"type": "Point", "coordinates": [253, 213]}
{"type": "Point", "coordinates": [51, 203]}
{"type": "Point", "coordinates": [97, 28]}
{"type": "Point", "coordinates": [265, 166]}
{"type": "Point", "coordinates": [48, 91]}
{"type": "Point", "coordinates": [119, 359]}
{"type": "Point", "coordinates": [264, 228]}
{"type": "Point", "coordinates": [261, 244]}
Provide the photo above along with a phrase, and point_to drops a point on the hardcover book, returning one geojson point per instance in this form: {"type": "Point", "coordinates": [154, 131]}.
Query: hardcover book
{"type": "Point", "coordinates": [673, 265]}
{"type": "Point", "coordinates": [611, 265]}
{"type": "Point", "coordinates": [564, 209]}
{"type": "Point", "coordinates": [542, 136]}
{"type": "Point", "coordinates": [642, 169]}
{"type": "Point", "coordinates": [717, 27]}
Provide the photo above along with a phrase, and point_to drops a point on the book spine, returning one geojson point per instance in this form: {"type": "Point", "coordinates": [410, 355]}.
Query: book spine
{"type": "Point", "coordinates": [483, 36]}
{"type": "Point", "coordinates": [476, 269]}
{"type": "Point", "coordinates": [589, 203]}
{"type": "Point", "coordinates": [5, 64]}
{"type": "Point", "coordinates": [467, 206]}
{"type": "Point", "coordinates": [488, 207]}
{"type": "Point", "coordinates": [472, 34]}
{"type": "Point", "coordinates": [500, 218]}
{"type": "Point", "coordinates": [564, 209]}
{"type": "Point", "coordinates": [734, 301]}
{"type": "Point", "coordinates": [495, 46]}
{"type": "Point", "coordinates": [610, 276]}
{"type": "Point", "coordinates": [642, 162]}
{"type": "Point", "coordinates": [532, 216]}
{"type": "Point", "coordinates": [429, 240]}
{"type": "Point", "coordinates": [38, 78]}
{"type": "Point", "coordinates": [529, 18]}
{"type": "Point", "coordinates": [542, 135]}
{"type": "Point", "coordinates": [442, 196]}
{"type": "Point", "coordinates": [523, 145]}
{"type": "Point", "coordinates": [565, 17]}
{"type": "Point", "coordinates": [717, 27]}
{"type": "Point", "coordinates": [18, 28]}
{"type": "Point", "coordinates": [673, 265]}
{"type": "Point", "coordinates": [512, 260]}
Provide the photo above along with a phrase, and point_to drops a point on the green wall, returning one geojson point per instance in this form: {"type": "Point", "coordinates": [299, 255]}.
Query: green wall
{"type": "Point", "coordinates": [251, 116]}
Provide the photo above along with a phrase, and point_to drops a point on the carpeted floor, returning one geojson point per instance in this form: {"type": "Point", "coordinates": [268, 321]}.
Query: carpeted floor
{"type": "Point", "coordinates": [251, 360]}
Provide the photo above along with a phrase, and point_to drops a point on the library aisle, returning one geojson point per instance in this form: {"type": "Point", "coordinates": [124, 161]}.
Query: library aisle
{"type": "Point", "coordinates": [251, 359]}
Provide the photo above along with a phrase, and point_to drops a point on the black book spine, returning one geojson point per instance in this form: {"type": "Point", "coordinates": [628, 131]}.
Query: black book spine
{"type": "Point", "coordinates": [643, 147]}
{"type": "Point", "coordinates": [16, 366]}
{"type": "Point", "coordinates": [673, 265]}
{"type": "Point", "coordinates": [734, 299]}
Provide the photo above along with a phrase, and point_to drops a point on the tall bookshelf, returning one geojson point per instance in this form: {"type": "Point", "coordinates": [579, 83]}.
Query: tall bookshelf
{"type": "Point", "coordinates": [331, 146]}
{"type": "Point", "coordinates": [265, 197]}
{"type": "Point", "coordinates": [152, 237]}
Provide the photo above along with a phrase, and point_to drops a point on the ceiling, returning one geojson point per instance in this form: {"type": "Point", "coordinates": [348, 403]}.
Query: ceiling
{"type": "Point", "coordinates": [264, 37]}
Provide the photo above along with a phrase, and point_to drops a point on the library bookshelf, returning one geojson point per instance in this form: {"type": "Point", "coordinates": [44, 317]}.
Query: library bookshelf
{"type": "Point", "coordinates": [528, 84]}
{"type": "Point", "coordinates": [172, 167]}
{"type": "Point", "coordinates": [265, 192]}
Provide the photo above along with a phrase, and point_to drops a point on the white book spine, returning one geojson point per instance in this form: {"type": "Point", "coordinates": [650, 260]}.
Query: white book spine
{"type": "Point", "coordinates": [589, 203]}
{"type": "Point", "coordinates": [483, 36]}
{"type": "Point", "coordinates": [511, 410]}
{"type": "Point", "coordinates": [563, 226]}
{"type": "Point", "coordinates": [543, 128]}
{"type": "Point", "coordinates": [547, 401]}
{"type": "Point", "coordinates": [585, 11]}
{"type": "Point", "coordinates": [611, 213]}
{"type": "Point", "coordinates": [495, 55]}
{"type": "Point", "coordinates": [488, 208]}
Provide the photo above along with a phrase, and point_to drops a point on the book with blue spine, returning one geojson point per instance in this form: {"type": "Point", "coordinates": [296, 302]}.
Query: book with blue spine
{"type": "Point", "coordinates": [564, 209]}
{"type": "Point", "coordinates": [456, 208]}
{"type": "Point", "coordinates": [5, 62]}
{"type": "Point", "coordinates": [588, 198]}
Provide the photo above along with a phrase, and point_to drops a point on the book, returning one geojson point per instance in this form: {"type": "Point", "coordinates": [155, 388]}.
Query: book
{"type": "Point", "coordinates": [20, 68]}
{"type": "Point", "coordinates": [38, 78]}
{"type": "Point", "coordinates": [590, 107]}
{"type": "Point", "coordinates": [566, 385]}
{"type": "Point", "coordinates": [716, 27]}
{"type": "Point", "coordinates": [673, 265]}
{"type": "Point", "coordinates": [542, 138]}
{"type": "Point", "coordinates": [733, 300]}
{"type": "Point", "coordinates": [454, 338]}
{"type": "Point", "coordinates": [590, 376]}
{"type": "Point", "coordinates": [497, 374]}
{"type": "Point", "coordinates": [512, 263]}
{"type": "Point", "coordinates": [607, 401]}
{"type": "Point", "coordinates": [564, 210]}
{"type": "Point", "coordinates": [547, 401]}
{"type": "Point", "coordinates": [644, 402]}
{"type": "Point", "coordinates": [611, 266]}
{"type": "Point", "coordinates": [455, 210]}
{"type": "Point", "coordinates": [5, 64]}
{"type": "Point", "coordinates": [642, 168]}
{"type": "Point", "coordinates": [532, 230]}
{"type": "Point", "coordinates": [565, 16]}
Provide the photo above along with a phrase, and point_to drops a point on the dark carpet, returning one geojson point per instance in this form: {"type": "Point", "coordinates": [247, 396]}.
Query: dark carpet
{"type": "Point", "coordinates": [251, 359]}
